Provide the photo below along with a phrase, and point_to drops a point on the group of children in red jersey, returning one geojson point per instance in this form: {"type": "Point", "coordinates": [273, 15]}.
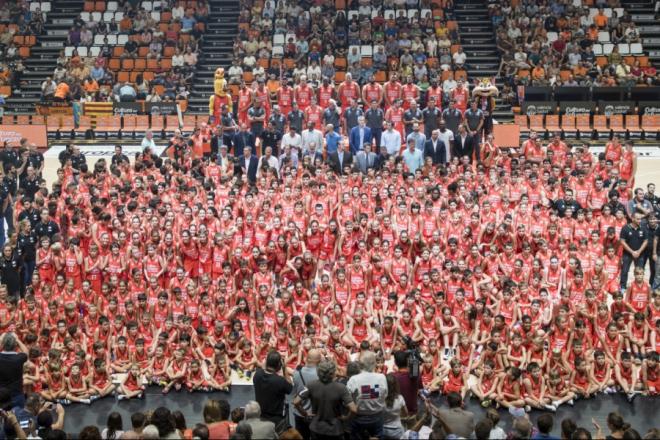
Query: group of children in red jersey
{"type": "Point", "coordinates": [159, 278]}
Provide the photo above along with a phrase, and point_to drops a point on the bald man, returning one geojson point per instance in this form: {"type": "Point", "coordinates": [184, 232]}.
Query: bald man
{"type": "Point", "coordinates": [301, 378]}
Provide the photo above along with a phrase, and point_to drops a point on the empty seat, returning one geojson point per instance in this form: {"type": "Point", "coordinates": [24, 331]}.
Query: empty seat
{"type": "Point", "coordinates": [94, 51]}
{"type": "Point", "coordinates": [122, 39]}
{"type": "Point", "coordinates": [68, 51]}
{"type": "Point", "coordinates": [604, 36]}
{"type": "Point", "coordinates": [112, 6]}
{"type": "Point", "coordinates": [278, 40]}
{"type": "Point", "coordinates": [97, 17]}
{"type": "Point", "coordinates": [112, 40]}
{"type": "Point", "coordinates": [155, 15]}
{"type": "Point", "coordinates": [598, 49]}
{"type": "Point", "coordinates": [82, 51]}
{"type": "Point", "coordinates": [607, 48]}
{"type": "Point", "coordinates": [552, 37]}
{"type": "Point", "coordinates": [148, 6]}
{"type": "Point", "coordinates": [366, 51]}
{"type": "Point", "coordinates": [46, 7]}
{"type": "Point", "coordinates": [636, 48]}
{"type": "Point", "coordinates": [108, 16]}
{"type": "Point", "coordinates": [98, 40]}
{"type": "Point", "coordinates": [278, 51]}
{"type": "Point", "coordinates": [624, 48]}
{"type": "Point", "coordinates": [85, 16]}
{"type": "Point", "coordinates": [119, 15]}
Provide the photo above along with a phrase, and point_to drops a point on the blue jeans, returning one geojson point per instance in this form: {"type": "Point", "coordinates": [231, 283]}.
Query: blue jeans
{"type": "Point", "coordinates": [365, 427]}
{"type": "Point", "coordinates": [28, 270]}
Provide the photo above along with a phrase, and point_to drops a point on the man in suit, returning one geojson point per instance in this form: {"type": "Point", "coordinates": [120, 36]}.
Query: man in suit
{"type": "Point", "coordinates": [340, 159]}
{"type": "Point", "coordinates": [465, 144]}
{"type": "Point", "coordinates": [248, 163]}
{"type": "Point", "coordinates": [360, 135]}
{"type": "Point", "coordinates": [435, 149]}
{"type": "Point", "coordinates": [262, 429]}
{"type": "Point", "coordinates": [243, 138]}
{"type": "Point", "coordinates": [365, 159]}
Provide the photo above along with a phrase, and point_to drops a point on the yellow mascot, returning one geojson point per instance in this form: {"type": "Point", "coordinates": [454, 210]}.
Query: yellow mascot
{"type": "Point", "coordinates": [220, 96]}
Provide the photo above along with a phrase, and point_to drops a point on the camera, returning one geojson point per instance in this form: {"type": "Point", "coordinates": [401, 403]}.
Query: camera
{"type": "Point", "coordinates": [414, 357]}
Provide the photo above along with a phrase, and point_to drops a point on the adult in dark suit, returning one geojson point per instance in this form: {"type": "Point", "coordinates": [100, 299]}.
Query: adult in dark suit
{"type": "Point", "coordinates": [243, 138]}
{"type": "Point", "coordinates": [435, 149]}
{"type": "Point", "coordinates": [360, 135]}
{"type": "Point", "coordinates": [340, 159]}
{"type": "Point", "coordinates": [465, 144]}
{"type": "Point", "coordinates": [247, 163]}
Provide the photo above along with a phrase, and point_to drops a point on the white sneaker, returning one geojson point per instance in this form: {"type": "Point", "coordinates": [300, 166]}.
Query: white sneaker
{"type": "Point", "coordinates": [550, 408]}
{"type": "Point", "coordinates": [571, 402]}
{"type": "Point", "coordinates": [121, 396]}
{"type": "Point", "coordinates": [86, 401]}
{"type": "Point", "coordinates": [528, 408]}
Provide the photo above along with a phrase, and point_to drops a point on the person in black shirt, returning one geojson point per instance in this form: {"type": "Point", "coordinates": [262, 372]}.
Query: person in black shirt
{"type": "Point", "coordinates": [296, 118]}
{"type": "Point", "coordinates": [652, 230]}
{"type": "Point", "coordinates": [119, 157]}
{"type": "Point", "coordinates": [568, 201]}
{"type": "Point", "coordinates": [634, 240]}
{"type": "Point", "coordinates": [65, 154]}
{"type": "Point", "coordinates": [77, 158]}
{"type": "Point", "coordinates": [271, 137]}
{"type": "Point", "coordinates": [10, 270]}
{"type": "Point", "coordinates": [46, 227]}
{"type": "Point", "coordinates": [652, 198]}
{"type": "Point", "coordinates": [229, 127]}
{"type": "Point", "coordinates": [271, 388]}
{"type": "Point", "coordinates": [26, 248]}
{"type": "Point", "coordinates": [10, 156]}
{"type": "Point", "coordinates": [12, 359]}
{"type": "Point", "coordinates": [29, 212]}
{"type": "Point", "coordinates": [30, 183]}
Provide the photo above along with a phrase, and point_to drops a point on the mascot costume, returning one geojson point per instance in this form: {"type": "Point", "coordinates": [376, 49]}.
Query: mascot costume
{"type": "Point", "coordinates": [220, 96]}
{"type": "Point", "coordinates": [484, 94]}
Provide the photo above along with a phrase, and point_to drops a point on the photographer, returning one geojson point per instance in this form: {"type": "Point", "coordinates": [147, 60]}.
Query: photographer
{"type": "Point", "coordinates": [301, 379]}
{"type": "Point", "coordinates": [271, 389]}
{"type": "Point", "coordinates": [408, 385]}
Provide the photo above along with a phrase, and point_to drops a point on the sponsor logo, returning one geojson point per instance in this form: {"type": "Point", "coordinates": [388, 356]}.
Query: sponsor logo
{"type": "Point", "coordinates": [652, 110]}
{"type": "Point", "coordinates": [575, 110]}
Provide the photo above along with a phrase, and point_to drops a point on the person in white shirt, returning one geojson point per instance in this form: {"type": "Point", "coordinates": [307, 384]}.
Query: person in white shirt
{"type": "Point", "coordinates": [292, 139]}
{"type": "Point", "coordinates": [178, 12]}
{"type": "Point", "coordinates": [459, 57]}
{"type": "Point", "coordinates": [148, 140]}
{"type": "Point", "coordinates": [311, 135]}
{"type": "Point", "coordinates": [268, 159]}
{"type": "Point", "coordinates": [314, 69]}
{"type": "Point", "coordinates": [391, 140]}
{"type": "Point", "coordinates": [369, 391]}
{"type": "Point", "coordinates": [446, 136]}
{"type": "Point", "coordinates": [449, 84]}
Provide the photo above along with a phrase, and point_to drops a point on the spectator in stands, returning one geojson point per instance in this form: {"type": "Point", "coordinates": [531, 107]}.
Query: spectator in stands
{"type": "Point", "coordinates": [261, 429]}
{"type": "Point", "coordinates": [126, 93]}
{"type": "Point", "coordinates": [48, 88]}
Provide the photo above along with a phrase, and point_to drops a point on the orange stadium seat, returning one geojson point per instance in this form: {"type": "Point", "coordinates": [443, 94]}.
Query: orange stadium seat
{"type": "Point", "coordinates": [616, 123]}
{"type": "Point", "coordinates": [536, 123]}
{"type": "Point", "coordinates": [23, 120]}
{"type": "Point", "coordinates": [189, 122]}
{"type": "Point", "coordinates": [157, 122]}
{"type": "Point", "coordinates": [171, 122]}
{"type": "Point", "coordinates": [552, 123]}
{"type": "Point", "coordinates": [600, 123]}
{"type": "Point", "coordinates": [521, 121]}
{"type": "Point", "coordinates": [582, 123]}
{"type": "Point", "coordinates": [568, 123]}
{"type": "Point", "coordinates": [632, 123]}
{"type": "Point", "coordinates": [650, 123]}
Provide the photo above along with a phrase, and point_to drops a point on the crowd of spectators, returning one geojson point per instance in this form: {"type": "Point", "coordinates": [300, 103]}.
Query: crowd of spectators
{"type": "Point", "coordinates": [416, 39]}
{"type": "Point", "coordinates": [102, 57]}
{"type": "Point", "coordinates": [18, 21]}
{"type": "Point", "coordinates": [365, 403]}
{"type": "Point", "coordinates": [568, 44]}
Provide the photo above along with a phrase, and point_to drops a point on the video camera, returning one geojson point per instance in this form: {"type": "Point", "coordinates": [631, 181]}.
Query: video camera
{"type": "Point", "coordinates": [414, 357]}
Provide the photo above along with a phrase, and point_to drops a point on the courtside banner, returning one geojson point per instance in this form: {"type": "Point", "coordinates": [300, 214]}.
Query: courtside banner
{"type": "Point", "coordinates": [35, 134]}
{"type": "Point", "coordinates": [103, 150]}
{"type": "Point", "coordinates": [531, 108]}
{"type": "Point", "coordinates": [573, 108]}
{"type": "Point", "coordinates": [610, 108]}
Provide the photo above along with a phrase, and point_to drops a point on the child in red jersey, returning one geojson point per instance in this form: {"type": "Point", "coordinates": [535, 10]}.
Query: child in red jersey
{"type": "Point", "coordinates": [76, 385]}
{"type": "Point", "coordinates": [486, 387]}
{"type": "Point", "coordinates": [100, 383]}
{"type": "Point", "coordinates": [133, 384]}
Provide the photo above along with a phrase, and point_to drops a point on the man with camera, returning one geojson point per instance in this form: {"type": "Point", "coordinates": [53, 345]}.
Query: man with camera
{"type": "Point", "coordinates": [409, 379]}
{"type": "Point", "coordinates": [271, 386]}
